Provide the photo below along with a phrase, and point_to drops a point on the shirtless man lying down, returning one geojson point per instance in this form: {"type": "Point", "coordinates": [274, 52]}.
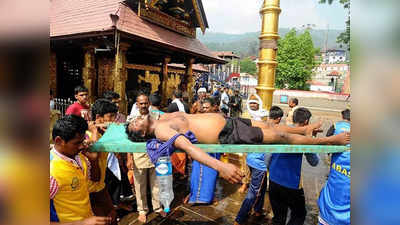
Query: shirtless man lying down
{"type": "Point", "coordinates": [213, 128]}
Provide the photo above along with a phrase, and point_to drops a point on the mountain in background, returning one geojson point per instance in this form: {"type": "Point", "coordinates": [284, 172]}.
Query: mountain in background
{"type": "Point", "coordinates": [246, 44]}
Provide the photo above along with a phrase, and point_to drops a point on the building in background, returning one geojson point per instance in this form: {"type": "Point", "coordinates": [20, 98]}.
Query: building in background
{"type": "Point", "coordinates": [220, 72]}
{"type": "Point", "coordinates": [329, 77]}
{"type": "Point", "coordinates": [332, 56]}
{"type": "Point", "coordinates": [123, 45]}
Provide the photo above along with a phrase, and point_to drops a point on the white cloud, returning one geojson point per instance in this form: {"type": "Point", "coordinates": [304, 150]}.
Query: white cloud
{"type": "Point", "coordinates": [240, 16]}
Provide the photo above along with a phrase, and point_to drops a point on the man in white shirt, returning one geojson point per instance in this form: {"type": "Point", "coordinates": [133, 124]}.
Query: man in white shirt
{"type": "Point", "coordinates": [224, 101]}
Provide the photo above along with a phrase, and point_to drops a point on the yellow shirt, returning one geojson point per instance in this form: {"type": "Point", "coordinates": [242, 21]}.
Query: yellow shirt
{"type": "Point", "coordinates": [71, 201]}
{"type": "Point", "coordinates": [102, 161]}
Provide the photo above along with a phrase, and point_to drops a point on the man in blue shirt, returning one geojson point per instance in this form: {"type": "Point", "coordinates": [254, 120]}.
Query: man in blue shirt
{"type": "Point", "coordinates": [334, 199]}
{"type": "Point", "coordinates": [258, 184]}
{"type": "Point", "coordinates": [285, 184]}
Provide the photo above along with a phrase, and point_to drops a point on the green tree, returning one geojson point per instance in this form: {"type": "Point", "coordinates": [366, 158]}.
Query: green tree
{"type": "Point", "coordinates": [295, 61]}
{"type": "Point", "coordinates": [248, 66]}
{"type": "Point", "coordinates": [344, 37]}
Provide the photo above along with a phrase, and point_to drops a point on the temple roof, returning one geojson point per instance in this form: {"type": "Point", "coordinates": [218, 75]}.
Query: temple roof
{"type": "Point", "coordinates": [69, 18]}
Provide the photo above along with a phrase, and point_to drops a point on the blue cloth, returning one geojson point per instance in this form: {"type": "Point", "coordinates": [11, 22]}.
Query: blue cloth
{"type": "Point", "coordinates": [53, 212]}
{"type": "Point", "coordinates": [156, 148]}
{"type": "Point", "coordinates": [256, 160]}
{"type": "Point", "coordinates": [255, 195]}
{"type": "Point", "coordinates": [334, 199]}
{"type": "Point", "coordinates": [202, 182]}
{"type": "Point", "coordinates": [285, 168]}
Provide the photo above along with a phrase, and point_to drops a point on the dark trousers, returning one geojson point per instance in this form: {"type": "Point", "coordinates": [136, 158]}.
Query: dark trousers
{"type": "Point", "coordinates": [282, 199]}
{"type": "Point", "coordinates": [255, 195]}
{"type": "Point", "coordinates": [116, 188]}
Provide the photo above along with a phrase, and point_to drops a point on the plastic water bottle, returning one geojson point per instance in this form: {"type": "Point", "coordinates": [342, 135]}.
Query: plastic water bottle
{"type": "Point", "coordinates": [164, 177]}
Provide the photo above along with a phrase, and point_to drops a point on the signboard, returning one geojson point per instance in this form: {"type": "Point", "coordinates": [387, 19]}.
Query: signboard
{"type": "Point", "coordinates": [155, 16]}
{"type": "Point", "coordinates": [283, 99]}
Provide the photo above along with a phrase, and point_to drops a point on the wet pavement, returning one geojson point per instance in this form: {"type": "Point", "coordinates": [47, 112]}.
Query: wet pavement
{"type": "Point", "coordinates": [229, 199]}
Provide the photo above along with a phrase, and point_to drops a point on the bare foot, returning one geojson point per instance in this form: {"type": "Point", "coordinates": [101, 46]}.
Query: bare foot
{"type": "Point", "coordinates": [186, 200]}
{"type": "Point", "coordinates": [142, 218]}
{"type": "Point", "coordinates": [243, 188]}
{"type": "Point", "coordinates": [162, 213]}
{"type": "Point", "coordinates": [341, 139]}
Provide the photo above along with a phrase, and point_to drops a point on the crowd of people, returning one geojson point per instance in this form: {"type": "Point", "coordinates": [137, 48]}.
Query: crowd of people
{"type": "Point", "coordinates": [88, 187]}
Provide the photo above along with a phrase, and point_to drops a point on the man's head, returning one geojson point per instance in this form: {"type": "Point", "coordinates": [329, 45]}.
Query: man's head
{"type": "Point", "coordinates": [208, 105]}
{"type": "Point", "coordinates": [202, 92]}
{"type": "Point", "coordinates": [253, 103]}
{"type": "Point", "coordinates": [155, 100]}
{"type": "Point", "coordinates": [138, 129]}
{"type": "Point", "coordinates": [226, 89]}
{"type": "Point", "coordinates": [177, 94]}
{"type": "Point", "coordinates": [142, 102]}
{"type": "Point", "coordinates": [112, 97]}
{"type": "Point", "coordinates": [104, 110]}
{"type": "Point", "coordinates": [346, 114]}
{"type": "Point", "coordinates": [275, 114]}
{"type": "Point", "coordinates": [293, 102]}
{"type": "Point", "coordinates": [81, 94]}
{"type": "Point", "coordinates": [68, 134]}
{"type": "Point", "coordinates": [236, 92]}
{"type": "Point", "coordinates": [301, 117]}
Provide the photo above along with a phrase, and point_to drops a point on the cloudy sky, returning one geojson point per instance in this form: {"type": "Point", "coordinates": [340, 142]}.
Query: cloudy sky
{"type": "Point", "coordinates": [240, 16]}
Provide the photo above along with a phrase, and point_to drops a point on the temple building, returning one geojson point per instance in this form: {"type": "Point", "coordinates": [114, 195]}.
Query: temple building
{"type": "Point", "coordinates": [122, 45]}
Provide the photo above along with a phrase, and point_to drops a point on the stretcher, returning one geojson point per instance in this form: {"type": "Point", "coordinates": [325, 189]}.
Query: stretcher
{"type": "Point", "coordinates": [116, 140]}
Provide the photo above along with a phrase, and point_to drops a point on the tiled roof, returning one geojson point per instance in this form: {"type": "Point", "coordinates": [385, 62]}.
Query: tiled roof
{"type": "Point", "coordinates": [131, 23]}
{"type": "Point", "coordinates": [226, 53]}
{"type": "Point", "coordinates": [334, 73]}
{"type": "Point", "coordinates": [71, 17]}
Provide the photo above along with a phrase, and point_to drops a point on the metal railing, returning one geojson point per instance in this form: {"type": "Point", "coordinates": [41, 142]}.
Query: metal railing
{"type": "Point", "coordinates": [62, 104]}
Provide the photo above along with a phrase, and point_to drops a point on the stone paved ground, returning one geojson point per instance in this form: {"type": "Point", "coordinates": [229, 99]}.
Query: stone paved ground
{"type": "Point", "coordinates": [229, 200]}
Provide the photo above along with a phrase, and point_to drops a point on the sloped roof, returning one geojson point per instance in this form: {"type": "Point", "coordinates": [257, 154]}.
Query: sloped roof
{"type": "Point", "coordinates": [334, 73]}
{"type": "Point", "coordinates": [73, 17]}
{"type": "Point", "coordinates": [226, 53]}
{"type": "Point", "coordinates": [232, 75]}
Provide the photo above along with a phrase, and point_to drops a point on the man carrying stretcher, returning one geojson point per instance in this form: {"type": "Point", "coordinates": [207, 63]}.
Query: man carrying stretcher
{"type": "Point", "coordinates": [181, 130]}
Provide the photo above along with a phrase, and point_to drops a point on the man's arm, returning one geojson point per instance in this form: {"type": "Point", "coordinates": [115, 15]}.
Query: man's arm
{"type": "Point", "coordinates": [277, 137]}
{"type": "Point", "coordinates": [227, 171]}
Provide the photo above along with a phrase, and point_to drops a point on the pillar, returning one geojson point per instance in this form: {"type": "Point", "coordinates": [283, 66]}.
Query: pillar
{"type": "Point", "coordinates": [164, 81]}
{"type": "Point", "coordinates": [53, 73]}
{"type": "Point", "coordinates": [89, 71]}
{"type": "Point", "coordinates": [268, 49]}
{"type": "Point", "coordinates": [120, 75]}
{"type": "Point", "coordinates": [189, 78]}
